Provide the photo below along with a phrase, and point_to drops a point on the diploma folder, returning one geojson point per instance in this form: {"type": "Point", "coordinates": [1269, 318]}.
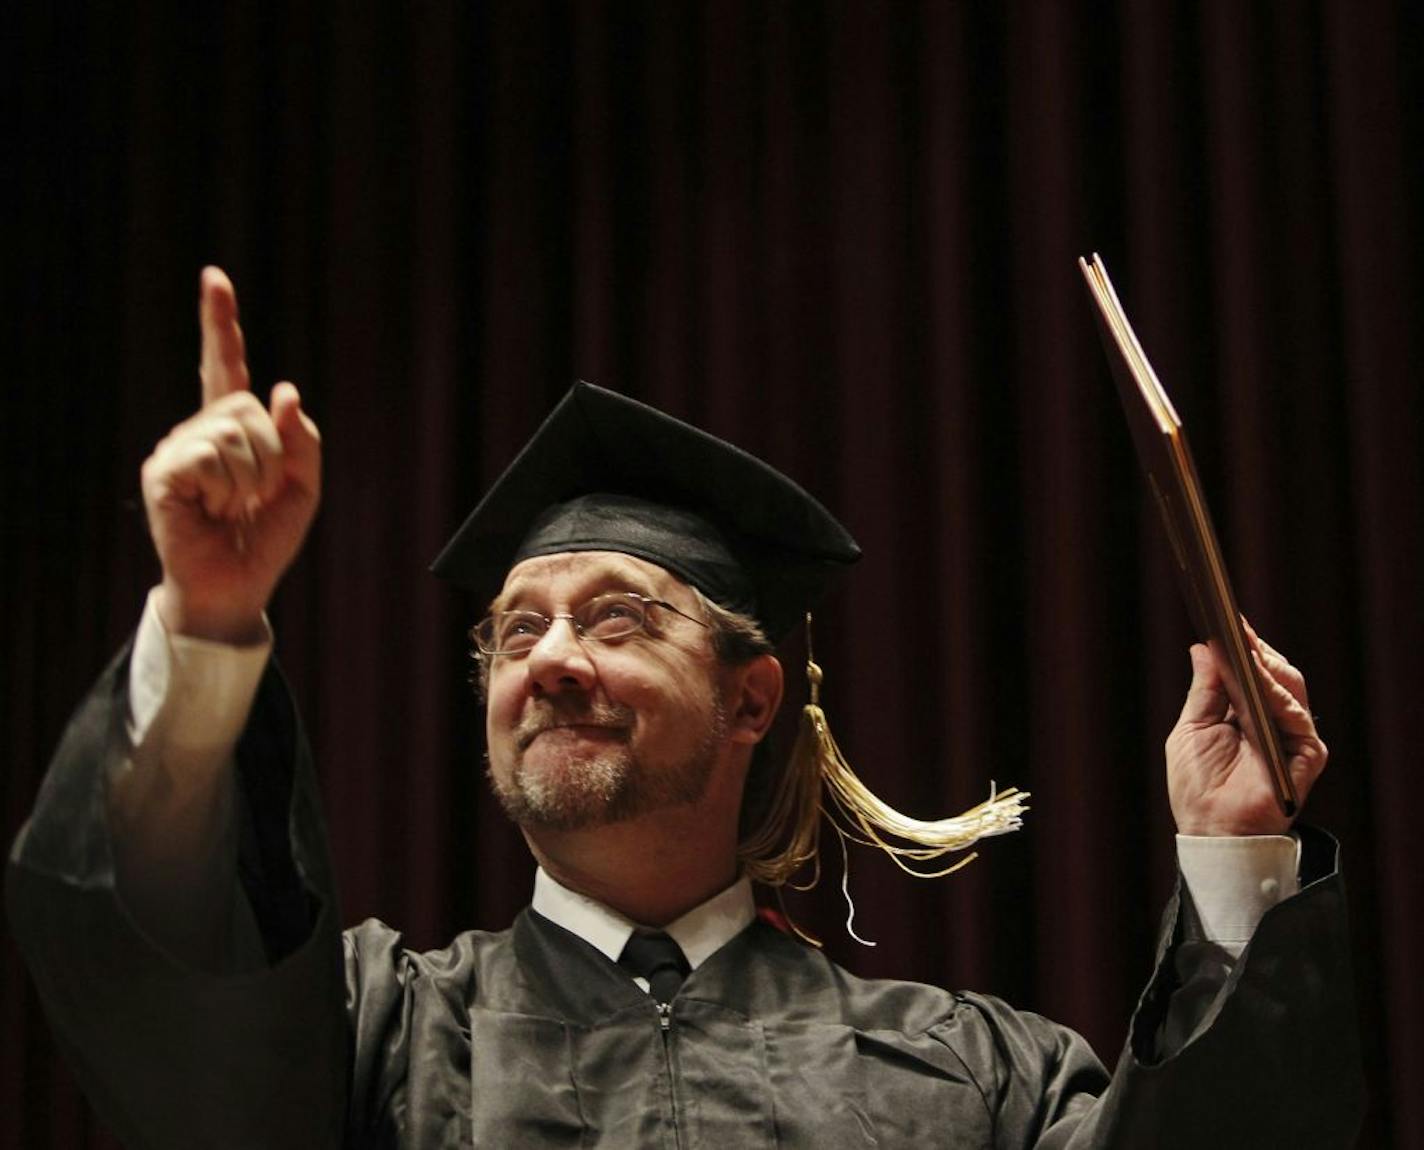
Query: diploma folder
{"type": "Point", "coordinates": [1171, 475]}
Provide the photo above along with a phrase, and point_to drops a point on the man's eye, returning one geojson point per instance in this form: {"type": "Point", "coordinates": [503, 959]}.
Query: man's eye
{"type": "Point", "coordinates": [610, 617]}
{"type": "Point", "coordinates": [514, 628]}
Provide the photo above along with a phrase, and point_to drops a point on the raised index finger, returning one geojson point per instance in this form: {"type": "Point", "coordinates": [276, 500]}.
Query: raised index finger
{"type": "Point", "coordinates": [223, 367]}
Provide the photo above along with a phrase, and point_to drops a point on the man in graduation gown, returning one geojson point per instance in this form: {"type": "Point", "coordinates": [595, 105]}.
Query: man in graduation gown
{"type": "Point", "coordinates": [173, 893]}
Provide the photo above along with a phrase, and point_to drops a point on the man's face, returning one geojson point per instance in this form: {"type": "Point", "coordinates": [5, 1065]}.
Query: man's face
{"type": "Point", "coordinates": [584, 734]}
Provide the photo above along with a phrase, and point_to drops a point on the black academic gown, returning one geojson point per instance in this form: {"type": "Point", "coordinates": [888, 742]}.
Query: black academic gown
{"type": "Point", "coordinates": [532, 1038]}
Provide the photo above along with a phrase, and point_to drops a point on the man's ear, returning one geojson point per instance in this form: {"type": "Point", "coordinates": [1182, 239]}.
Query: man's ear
{"type": "Point", "coordinates": [753, 698]}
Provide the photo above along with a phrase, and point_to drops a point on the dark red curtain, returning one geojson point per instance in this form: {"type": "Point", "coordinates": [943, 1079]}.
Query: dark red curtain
{"type": "Point", "coordinates": [843, 236]}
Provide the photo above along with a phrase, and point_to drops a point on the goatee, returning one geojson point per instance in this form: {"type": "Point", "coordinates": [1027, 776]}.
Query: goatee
{"type": "Point", "coordinates": [609, 785]}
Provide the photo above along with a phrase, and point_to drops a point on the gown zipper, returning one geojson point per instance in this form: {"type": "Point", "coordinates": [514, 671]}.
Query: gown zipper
{"type": "Point", "coordinates": [665, 1027]}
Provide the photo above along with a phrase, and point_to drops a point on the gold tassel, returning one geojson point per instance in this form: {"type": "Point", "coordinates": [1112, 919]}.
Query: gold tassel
{"type": "Point", "coordinates": [789, 836]}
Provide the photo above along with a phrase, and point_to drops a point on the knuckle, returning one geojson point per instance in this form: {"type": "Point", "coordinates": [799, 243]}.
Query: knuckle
{"type": "Point", "coordinates": [229, 435]}
{"type": "Point", "coordinates": [165, 457]}
{"type": "Point", "coordinates": [207, 459]}
{"type": "Point", "coordinates": [150, 474]}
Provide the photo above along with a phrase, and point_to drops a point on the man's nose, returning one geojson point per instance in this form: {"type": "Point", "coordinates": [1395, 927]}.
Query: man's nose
{"type": "Point", "coordinates": [559, 661]}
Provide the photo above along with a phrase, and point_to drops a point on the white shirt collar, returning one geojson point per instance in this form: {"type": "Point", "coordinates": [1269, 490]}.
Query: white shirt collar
{"type": "Point", "coordinates": [701, 932]}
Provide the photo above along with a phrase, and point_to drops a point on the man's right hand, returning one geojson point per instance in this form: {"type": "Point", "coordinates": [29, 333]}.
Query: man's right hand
{"type": "Point", "coordinates": [230, 492]}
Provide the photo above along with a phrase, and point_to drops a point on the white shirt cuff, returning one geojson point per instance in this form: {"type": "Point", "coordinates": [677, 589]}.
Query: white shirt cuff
{"type": "Point", "coordinates": [191, 694]}
{"type": "Point", "coordinates": [1234, 881]}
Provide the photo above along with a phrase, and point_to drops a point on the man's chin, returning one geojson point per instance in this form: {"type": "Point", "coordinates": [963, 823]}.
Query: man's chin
{"type": "Point", "coordinates": [564, 792]}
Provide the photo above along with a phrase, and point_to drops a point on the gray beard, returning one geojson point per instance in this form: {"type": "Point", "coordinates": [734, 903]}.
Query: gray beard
{"type": "Point", "coordinates": [608, 788]}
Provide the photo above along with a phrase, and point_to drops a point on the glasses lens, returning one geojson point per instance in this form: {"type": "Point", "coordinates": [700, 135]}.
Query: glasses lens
{"type": "Point", "coordinates": [510, 632]}
{"type": "Point", "coordinates": [610, 617]}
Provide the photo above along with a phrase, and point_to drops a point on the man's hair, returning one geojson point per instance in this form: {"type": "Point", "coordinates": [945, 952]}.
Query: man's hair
{"type": "Point", "coordinates": [480, 672]}
{"type": "Point", "coordinates": [779, 807]}
{"type": "Point", "coordinates": [736, 638]}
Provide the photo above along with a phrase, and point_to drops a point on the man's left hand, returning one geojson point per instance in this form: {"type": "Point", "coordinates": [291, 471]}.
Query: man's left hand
{"type": "Point", "coordinates": [1217, 782]}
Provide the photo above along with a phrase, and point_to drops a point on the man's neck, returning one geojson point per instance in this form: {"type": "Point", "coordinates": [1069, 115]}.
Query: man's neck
{"type": "Point", "coordinates": [652, 869]}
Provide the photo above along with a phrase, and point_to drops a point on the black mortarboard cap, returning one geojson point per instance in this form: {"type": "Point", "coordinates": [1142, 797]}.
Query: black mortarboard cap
{"type": "Point", "coordinates": [607, 473]}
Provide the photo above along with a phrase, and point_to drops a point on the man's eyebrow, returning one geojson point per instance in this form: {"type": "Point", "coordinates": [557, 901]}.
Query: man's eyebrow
{"type": "Point", "coordinates": [597, 582]}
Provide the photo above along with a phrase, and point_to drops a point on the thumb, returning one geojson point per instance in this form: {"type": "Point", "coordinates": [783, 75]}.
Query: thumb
{"type": "Point", "coordinates": [301, 441]}
{"type": "Point", "coordinates": [1206, 701]}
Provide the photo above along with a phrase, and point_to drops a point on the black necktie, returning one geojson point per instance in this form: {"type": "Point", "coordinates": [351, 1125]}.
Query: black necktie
{"type": "Point", "coordinates": [656, 957]}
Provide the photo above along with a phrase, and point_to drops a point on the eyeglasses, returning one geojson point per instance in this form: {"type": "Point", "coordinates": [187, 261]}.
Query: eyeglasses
{"type": "Point", "coordinates": [603, 619]}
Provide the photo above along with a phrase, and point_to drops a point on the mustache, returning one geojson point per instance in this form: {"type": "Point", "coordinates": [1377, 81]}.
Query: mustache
{"type": "Point", "coordinates": [549, 714]}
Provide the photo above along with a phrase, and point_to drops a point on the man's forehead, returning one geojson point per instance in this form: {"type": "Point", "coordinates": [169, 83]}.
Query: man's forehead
{"type": "Point", "coordinates": [575, 571]}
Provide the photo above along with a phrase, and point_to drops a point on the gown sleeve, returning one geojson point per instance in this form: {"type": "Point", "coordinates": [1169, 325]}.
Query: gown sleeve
{"type": "Point", "coordinates": [1258, 1052]}
{"type": "Point", "coordinates": [171, 1056]}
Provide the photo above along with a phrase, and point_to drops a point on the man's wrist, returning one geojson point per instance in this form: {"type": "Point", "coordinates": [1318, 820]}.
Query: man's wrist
{"type": "Point", "coordinates": [232, 627]}
{"type": "Point", "coordinates": [196, 690]}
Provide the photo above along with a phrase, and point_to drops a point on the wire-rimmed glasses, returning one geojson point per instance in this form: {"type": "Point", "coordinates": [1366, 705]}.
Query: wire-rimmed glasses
{"type": "Point", "coordinates": [602, 619]}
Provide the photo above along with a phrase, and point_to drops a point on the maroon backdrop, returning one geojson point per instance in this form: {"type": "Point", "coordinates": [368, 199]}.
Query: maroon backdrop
{"type": "Point", "coordinates": [843, 236]}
